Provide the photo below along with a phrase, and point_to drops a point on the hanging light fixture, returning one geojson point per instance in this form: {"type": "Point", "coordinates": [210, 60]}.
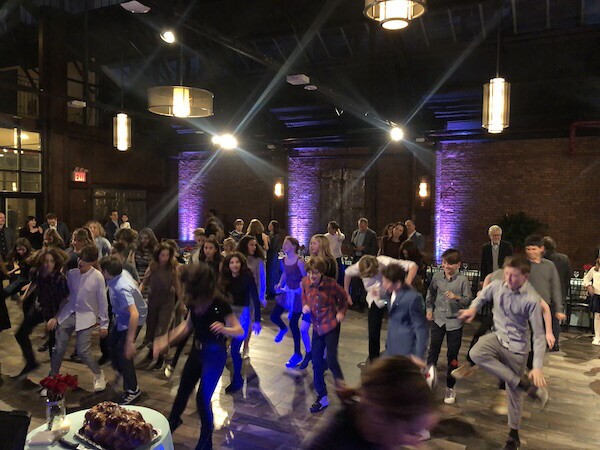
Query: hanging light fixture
{"type": "Point", "coordinates": [180, 101]}
{"type": "Point", "coordinates": [122, 132]}
{"type": "Point", "coordinates": [394, 14]}
{"type": "Point", "coordinates": [122, 124]}
{"type": "Point", "coordinates": [496, 94]}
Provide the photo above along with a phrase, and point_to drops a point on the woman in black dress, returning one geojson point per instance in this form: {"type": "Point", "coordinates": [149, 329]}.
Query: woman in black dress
{"type": "Point", "coordinates": [213, 321]}
{"type": "Point", "coordinates": [32, 232]}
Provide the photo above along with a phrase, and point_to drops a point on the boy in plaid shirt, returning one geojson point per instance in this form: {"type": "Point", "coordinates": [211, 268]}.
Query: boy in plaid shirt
{"type": "Point", "coordinates": [327, 303]}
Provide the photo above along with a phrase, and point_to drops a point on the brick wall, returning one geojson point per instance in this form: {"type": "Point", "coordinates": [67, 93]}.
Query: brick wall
{"type": "Point", "coordinates": [231, 184]}
{"type": "Point", "coordinates": [477, 183]}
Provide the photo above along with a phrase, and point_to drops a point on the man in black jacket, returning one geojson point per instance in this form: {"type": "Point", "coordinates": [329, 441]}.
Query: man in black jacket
{"type": "Point", "coordinates": [60, 227]}
{"type": "Point", "coordinates": [112, 226]}
{"type": "Point", "coordinates": [364, 242]}
{"type": "Point", "coordinates": [494, 252]}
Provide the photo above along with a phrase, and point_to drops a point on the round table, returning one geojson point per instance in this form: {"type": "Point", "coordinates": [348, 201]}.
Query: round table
{"type": "Point", "coordinates": [154, 417]}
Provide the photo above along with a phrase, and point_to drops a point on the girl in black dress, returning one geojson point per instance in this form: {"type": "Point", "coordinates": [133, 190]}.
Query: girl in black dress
{"type": "Point", "coordinates": [212, 320]}
{"type": "Point", "coordinates": [32, 232]}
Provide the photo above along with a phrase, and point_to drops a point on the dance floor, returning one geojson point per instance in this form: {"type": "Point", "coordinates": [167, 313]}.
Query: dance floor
{"type": "Point", "coordinates": [271, 412]}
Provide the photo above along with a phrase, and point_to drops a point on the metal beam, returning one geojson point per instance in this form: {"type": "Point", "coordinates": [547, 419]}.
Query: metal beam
{"type": "Point", "coordinates": [283, 57]}
{"type": "Point", "coordinates": [482, 20]}
{"type": "Point", "coordinates": [514, 15]}
{"type": "Point", "coordinates": [451, 25]}
{"type": "Point", "coordinates": [346, 41]}
{"type": "Point", "coordinates": [323, 44]}
{"type": "Point", "coordinates": [423, 30]}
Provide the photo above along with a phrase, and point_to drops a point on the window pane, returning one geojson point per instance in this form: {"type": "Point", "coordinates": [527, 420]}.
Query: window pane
{"type": "Point", "coordinates": [9, 181]}
{"type": "Point", "coordinates": [8, 137]}
{"type": "Point", "coordinates": [31, 162]}
{"type": "Point", "coordinates": [31, 182]}
{"type": "Point", "coordinates": [9, 159]}
{"type": "Point", "coordinates": [30, 140]}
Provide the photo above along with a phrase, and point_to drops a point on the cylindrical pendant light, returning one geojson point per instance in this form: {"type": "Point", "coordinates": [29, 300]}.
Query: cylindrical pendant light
{"type": "Point", "coordinates": [122, 132]}
{"type": "Point", "coordinates": [394, 14]}
{"type": "Point", "coordinates": [496, 105]}
{"type": "Point", "coordinates": [180, 101]}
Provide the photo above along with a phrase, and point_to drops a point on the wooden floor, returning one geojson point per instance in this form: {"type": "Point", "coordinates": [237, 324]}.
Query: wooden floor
{"type": "Point", "coordinates": [272, 411]}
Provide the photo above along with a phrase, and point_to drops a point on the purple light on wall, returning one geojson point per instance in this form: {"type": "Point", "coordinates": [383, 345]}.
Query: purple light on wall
{"type": "Point", "coordinates": [452, 197]}
{"type": "Point", "coordinates": [191, 195]}
{"type": "Point", "coordinates": [303, 198]}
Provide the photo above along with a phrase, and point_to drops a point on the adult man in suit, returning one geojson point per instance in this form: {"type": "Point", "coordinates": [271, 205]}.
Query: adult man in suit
{"type": "Point", "coordinates": [112, 226]}
{"type": "Point", "coordinates": [494, 252]}
{"type": "Point", "coordinates": [414, 235]}
{"type": "Point", "coordinates": [7, 237]}
{"type": "Point", "coordinates": [364, 242]}
{"type": "Point", "coordinates": [60, 227]}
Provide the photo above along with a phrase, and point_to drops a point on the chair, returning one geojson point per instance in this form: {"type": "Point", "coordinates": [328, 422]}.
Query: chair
{"type": "Point", "coordinates": [578, 302]}
{"type": "Point", "coordinates": [13, 429]}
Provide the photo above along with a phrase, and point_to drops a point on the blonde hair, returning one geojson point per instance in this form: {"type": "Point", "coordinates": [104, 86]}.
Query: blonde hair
{"type": "Point", "coordinates": [324, 247]}
{"type": "Point", "coordinates": [368, 266]}
{"type": "Point", "coordinates": [101, 231]}
{"type": "Point", "coordinates": [229, 245]}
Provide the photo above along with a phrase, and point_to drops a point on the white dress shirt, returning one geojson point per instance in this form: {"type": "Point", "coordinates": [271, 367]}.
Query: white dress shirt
{"type": "Point", "coordinates": [335, 243]}
{"type": "Point", "coordinates": [87, 299]}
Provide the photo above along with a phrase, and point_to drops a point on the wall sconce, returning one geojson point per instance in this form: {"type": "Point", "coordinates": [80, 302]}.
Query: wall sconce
{"type": "Point", "coordinates": [423, 189]}
{"type": "Point", "coordinates": [278, 189]}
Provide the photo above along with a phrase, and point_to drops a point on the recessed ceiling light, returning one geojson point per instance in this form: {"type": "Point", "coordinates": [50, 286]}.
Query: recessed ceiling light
{"type": "Point", "coordinates": [135, 7]}
{"type": "Point", "coordinates": [310, 87]}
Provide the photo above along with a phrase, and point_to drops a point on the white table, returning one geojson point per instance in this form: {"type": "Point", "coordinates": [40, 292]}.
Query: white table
{"type": "Point", "coordinates": [153, 417]}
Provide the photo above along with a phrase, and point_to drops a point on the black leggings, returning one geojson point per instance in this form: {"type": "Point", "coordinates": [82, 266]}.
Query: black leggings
{"type": "Point", "coordinates": [32, 318]}
{"type": "Point", "coordinates": [294, 319]}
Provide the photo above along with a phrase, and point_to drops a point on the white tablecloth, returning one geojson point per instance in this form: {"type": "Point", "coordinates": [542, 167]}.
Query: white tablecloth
{"type": "Point", "coordinates": [153, 417]}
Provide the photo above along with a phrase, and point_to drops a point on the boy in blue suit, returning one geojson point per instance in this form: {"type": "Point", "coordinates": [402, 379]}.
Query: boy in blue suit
{"type": "Point", "coordinates": [408, 332]}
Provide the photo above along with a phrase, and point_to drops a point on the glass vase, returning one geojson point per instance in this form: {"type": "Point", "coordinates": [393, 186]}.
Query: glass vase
{"type": "Point", "coordinates": [55, 412]}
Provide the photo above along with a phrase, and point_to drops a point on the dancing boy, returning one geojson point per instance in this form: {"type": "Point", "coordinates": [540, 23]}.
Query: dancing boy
{"type": "Point", "coordinates": [503, 353]}
{"type": "Point", "coordinates": [448, 292]}
{"type": "Point", "coordinates": [327, 304]}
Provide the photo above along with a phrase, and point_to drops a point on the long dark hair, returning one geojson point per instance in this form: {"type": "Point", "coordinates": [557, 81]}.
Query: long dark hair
{"type": "Point", "coordinates": [242, 247]}
{"type": "Point", "coordinates": [20, 242]}
{"type": "Point", "coordinates": [226, 276]}
{"type": "Point", "coordinates": [151, 236]}
{"type": "Point", "coordinates": [199, 285]}
{"type": "Point", "coordinates": [414, 254]}
{"type": "Point", "coordinates": [217, 258]}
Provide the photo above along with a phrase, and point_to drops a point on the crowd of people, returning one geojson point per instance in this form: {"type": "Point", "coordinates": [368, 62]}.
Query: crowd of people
{"type": "Point", "coordinates": [116, 280]}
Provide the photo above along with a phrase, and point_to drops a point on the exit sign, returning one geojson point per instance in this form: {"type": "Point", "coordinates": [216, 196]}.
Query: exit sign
{"type": "Point", "coordinates": [79, 175]}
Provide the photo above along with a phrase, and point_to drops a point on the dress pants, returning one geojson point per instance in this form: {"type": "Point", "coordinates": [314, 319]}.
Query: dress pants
{"type": "Point", "coordinates": [116, 345]}
{"type": "Point", "coordinates": [453, 341]}
{"type": "Point", "coordinates": [329, 341]}
{"type": "Point", "coordinates": [30, 321]}
{"type": "Point", "coordinates": [497, 360]}
{"type": "Point", "coordinates": [375, 320]}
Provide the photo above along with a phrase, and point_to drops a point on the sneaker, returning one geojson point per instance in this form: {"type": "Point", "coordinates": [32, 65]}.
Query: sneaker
{"type": "Point", "coordinates": [43, 348]}
{"type": "Point", "coordinates": [320, 404]}
{"type": "Point", "coordinates": [501, 405]}
{"type": "Point", "coordinates": [294, 360]}
{"type": "Point", "coordinates": [129, 397]}
{"type": "Point", "coordinates": [169, 370]}
{"type": "Point", "coordinates": [233, 387]}
{"type": "Point", "coordinates": [596, 341]}
{"type": "Point", "coordinates": [425, 435]}
{"type": "Point", "coordinates": [512, 444]}
{"type": "Point", "coordinates": [540, 394]}
{"type": "Point", "coordinates": [280, 335]}
{"type": "Point", "coordinates": [99, 382]}
{"type": "Point", "coordinates": [43, 392]}
{"type": "Point", "coordinates": [464, 371]}
{"type": "Point", "coordinates": [431, 377]}
{"type": "Point", "coordinates": [305, 361]}
{"type": "Point", "coordinates": [246, 353]}
{"type": "Point", "coordinates": [450, 396]}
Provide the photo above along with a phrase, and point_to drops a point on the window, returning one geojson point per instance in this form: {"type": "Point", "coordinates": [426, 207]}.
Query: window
{"type": "Point", "coordinates": [342, 197]}
{"type": "Point", "coordinates": [20, 161]}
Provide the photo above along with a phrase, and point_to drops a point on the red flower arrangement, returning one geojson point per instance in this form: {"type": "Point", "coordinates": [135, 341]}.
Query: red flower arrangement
{"type": "Point", "coordinates": [58, 385]}
{"type": "Point", "coordinates": [188, 249]}
{"type": "Point", "coordinates": [587, 267]}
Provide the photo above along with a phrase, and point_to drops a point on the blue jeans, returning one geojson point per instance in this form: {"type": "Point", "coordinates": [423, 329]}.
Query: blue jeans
{"type": "Point", "coordinates": [236, 343]}
{"type": "Point", "coordinates": [205, 365]}
{"type": "Point", "coordinates": [327, 341]}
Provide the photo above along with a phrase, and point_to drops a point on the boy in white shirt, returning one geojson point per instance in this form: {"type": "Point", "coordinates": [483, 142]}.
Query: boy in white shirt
{"type": "Point", "coordinates": [86, 306]}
